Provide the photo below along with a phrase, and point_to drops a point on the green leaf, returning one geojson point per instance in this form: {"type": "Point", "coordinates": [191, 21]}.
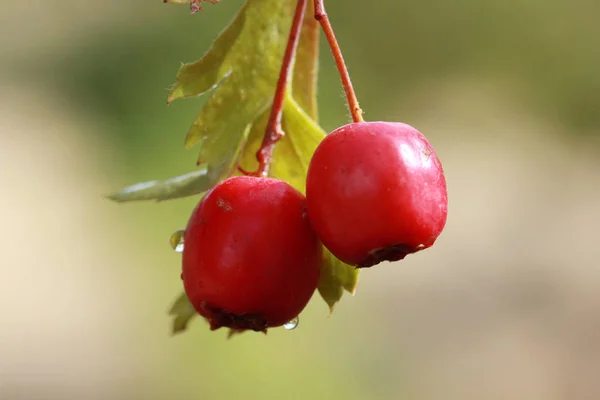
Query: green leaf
{"type": "Point", "coordinates": [182, 312]}
{"type": "Point", "coordinates": [244, 63]}
{"type": "Point", "coordinates": [336, 277]}
{"type": "Point", "coordinates": [293, 153]}
{"type": "Point", "coordinates": [196, 78]}
{"type": "Point", "coordinates": [173, 188]}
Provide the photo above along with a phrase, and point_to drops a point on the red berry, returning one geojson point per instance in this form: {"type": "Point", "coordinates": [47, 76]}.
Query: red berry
{"type": "Point", "coordinates": [251, 259]}
{"type": "Point", "coordinates": [376, 192]}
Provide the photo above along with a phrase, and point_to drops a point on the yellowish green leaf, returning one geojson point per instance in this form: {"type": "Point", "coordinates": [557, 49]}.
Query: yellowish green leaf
{"type": "Point", "coordinates": [336, 277]}
{"type": "Point", "coordinates": [293, 153]}
{"type": "Point", "coordinates": [182, 312]}
{"type": "Point", "coordinates": [196, 78]}
{"type": "Point", "coordinates": [173, 188]}
{"type": "Point", "coordinates": [245, 63]}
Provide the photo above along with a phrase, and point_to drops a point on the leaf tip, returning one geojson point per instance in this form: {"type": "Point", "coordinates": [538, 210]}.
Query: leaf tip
{"type": "Point", "coordinates": [192, 138]}
{"type": "Point", "coordinates": [331, 308]}
{"type": "Point", "coordinates": [174, 93]}
{"type": "Point", "coordinates": [179, 326]}
{"type": "Point", "coordinates": [112, 196]}
{"type": "Point", "coordinates": [117, 197]}
{"type": "Point", "coordinates": [353, 285]}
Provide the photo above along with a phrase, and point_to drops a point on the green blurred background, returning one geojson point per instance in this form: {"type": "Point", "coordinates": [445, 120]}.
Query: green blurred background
{"type": "Point", "coordinates": [505, 306]}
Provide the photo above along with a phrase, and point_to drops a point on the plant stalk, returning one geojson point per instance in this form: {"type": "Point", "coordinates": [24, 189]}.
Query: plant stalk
{"type": "Point", "coordinates": [274, 132]}
{"type": "Point", "coordinates": [321, 16]}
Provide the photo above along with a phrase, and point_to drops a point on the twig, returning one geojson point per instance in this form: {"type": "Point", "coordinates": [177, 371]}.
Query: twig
{"type": "Point", "coordinates": [321, 16]}
{"type": "Point", "coordinates": [274, 132]}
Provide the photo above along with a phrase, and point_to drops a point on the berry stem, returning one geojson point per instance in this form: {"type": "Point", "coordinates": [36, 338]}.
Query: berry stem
{"type": "Point", "coordinates": [321, 16]}
{"type": "Point", "coordinates": [274, 132]}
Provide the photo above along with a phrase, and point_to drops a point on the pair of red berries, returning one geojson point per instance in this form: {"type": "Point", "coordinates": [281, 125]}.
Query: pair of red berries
{"type": "Point", "coordinates": [375, 191]}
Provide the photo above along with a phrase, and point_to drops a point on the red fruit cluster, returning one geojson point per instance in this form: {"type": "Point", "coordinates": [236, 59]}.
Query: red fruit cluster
{"type": "Point", "coordinates": [375, 192]}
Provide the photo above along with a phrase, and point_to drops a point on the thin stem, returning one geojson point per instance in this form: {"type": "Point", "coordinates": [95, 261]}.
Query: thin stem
{"type": "Point", "coordinates": [274, 132]}
{"type": "Point", "coordinates": [321, 16]}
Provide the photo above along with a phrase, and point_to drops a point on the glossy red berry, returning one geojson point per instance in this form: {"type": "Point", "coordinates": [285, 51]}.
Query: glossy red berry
{"type": "Point", "coordinates": [376, 191]}
{"type": "Point", "coordinates": [251, 259]}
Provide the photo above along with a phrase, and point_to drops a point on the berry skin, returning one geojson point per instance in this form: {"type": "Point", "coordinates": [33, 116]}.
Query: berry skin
{"type": "Point", "coordinates": [376, 192]}
{"type": "Point", "coordinates": [251, 259]}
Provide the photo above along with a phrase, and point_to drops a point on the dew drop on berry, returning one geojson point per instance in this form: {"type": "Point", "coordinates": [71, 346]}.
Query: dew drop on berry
{"type": "Point", "coordinates": [177, 241]}
{"type": "Point", "coordinates": [292, 324]}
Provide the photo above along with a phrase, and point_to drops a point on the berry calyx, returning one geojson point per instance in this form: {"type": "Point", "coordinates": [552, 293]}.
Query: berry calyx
{"type": "Point", "coordinates": [376, 192]}
{"type": "Point", "coordinates": [251, 259]}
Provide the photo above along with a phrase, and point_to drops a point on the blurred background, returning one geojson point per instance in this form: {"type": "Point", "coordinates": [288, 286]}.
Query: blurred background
{"type": "Point", "coordinates": [506, 305]}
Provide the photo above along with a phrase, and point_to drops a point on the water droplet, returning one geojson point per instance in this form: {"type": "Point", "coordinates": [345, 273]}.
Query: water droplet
{"type": "Point", "coordinates": [177, 241]}
{"type": "Point", "coordinates": [291, 325]}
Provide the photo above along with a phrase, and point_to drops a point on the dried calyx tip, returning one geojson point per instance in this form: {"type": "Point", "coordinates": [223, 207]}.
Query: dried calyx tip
{"type": "Point", "coordinates": [396, 252]}
{"type": "Point", "coordinates": [195, 5]}
{"type": "Point", "coordinates": [237, 323]}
